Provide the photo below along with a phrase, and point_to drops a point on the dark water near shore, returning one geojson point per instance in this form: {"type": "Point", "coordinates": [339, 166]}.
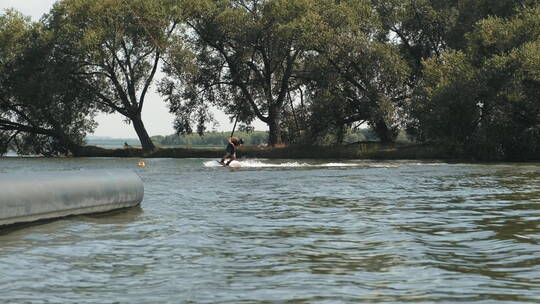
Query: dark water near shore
{"type": "Point", "coordinates": [288, 231]}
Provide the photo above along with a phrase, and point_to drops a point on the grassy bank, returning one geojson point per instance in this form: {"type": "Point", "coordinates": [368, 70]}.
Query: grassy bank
{"type": "Point", "coordinates": [370, 150]}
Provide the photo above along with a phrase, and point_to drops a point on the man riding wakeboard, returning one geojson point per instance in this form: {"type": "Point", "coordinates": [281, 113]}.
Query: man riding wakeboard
{"type": "Point", "coordinates": [230, 154]}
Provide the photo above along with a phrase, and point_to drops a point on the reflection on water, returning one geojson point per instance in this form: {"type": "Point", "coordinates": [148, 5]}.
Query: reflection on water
{"type": "Point", "coordinates": [287, 231]}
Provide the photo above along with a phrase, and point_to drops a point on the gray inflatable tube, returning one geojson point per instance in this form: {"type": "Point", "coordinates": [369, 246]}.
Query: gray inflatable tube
{"type": "Point", "coordinates": [32, 196]}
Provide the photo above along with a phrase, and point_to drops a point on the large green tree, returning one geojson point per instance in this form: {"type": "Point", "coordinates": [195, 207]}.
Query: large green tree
{"type": "Point", "coordinates": [117, 46]}
{"type": "Point", "coordinates": [42, 110]}
{"type": "Point", "coordinates": [356, 76]}
{"type": "Point", "coordinates": [484, 100]}
{"type": "Point", "coordinates": [246, 56]}
{"type": "Point", "coordinates": [427, 28]}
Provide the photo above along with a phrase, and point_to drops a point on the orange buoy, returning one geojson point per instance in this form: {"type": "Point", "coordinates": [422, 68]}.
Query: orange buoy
{"type": "Point", "coordinates": [142, 164]}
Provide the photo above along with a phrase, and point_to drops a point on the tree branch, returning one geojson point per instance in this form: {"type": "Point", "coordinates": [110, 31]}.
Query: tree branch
{"type": "Point", "coordinates": [108, 102]}
{"type": "Point", "coordinates": [149, 80]}
{"type": "Point", "coordinates": [130, 81]}
{"type": "Point", "coordinates": [7, 125]}
{"type": "Point", "coordinates": [285, 79]}
{"type": "Point", "coordinates": [123, 97]}
{"type": "Point", "coordinates": [236, 79]}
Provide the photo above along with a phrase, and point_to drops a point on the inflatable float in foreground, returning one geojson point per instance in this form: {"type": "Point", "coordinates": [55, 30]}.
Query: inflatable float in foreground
{"type": "Point", "coordinates": [32, 196]}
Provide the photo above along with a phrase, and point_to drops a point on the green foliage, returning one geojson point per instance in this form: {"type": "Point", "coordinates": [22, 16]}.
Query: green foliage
{"type": "Point", "coordinates": [354, 78]}
{"type": "Point", "coordinates": [15, 29]}
{"type": "Point", "coordinates": [42, 110]}
{"type": "Point", "coordinates": [247, 54]}
{"type": "Point", "coordinates": [427, 28]}
{"type": "Point", "coordinates": [461, 74]}
{"type": "Point", "coordinates": [448, 104]}
{"type": "Point", "coordinates": [484, 101]}
{"type": "Point", "coordinates": [117, 46]}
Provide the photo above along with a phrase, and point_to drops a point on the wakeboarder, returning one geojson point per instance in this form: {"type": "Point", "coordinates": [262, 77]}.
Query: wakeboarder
{"type": "Point", "coordinates": [230, 150]}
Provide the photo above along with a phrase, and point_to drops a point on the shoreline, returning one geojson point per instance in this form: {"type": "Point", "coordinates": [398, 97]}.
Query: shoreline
{"type": "Point", "coordinates": [361, 151]}
{"type": "Point", "coordinates": [368, 150]}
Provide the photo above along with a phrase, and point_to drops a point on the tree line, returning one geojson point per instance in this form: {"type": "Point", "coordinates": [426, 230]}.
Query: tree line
{"type": "Point", "coordinates": [462, 75]}
{"type": "Point", "coordinates": [213, 139]}
{"type": "Point", "coordinates": [250, 138]}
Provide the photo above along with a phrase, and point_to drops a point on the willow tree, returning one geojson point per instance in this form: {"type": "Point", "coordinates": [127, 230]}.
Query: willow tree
{"type": "Point", "coordinates": [427, 28]}
{"type": "Point", "coordinates": [483, 101]}
{"type": "Point", "coordinates": [246, 55]}
{"type": "Point", "coordinates": [14, 29]}
{"type": "Point", "coordinates": [355, 73]}
{"type": "Point", "coordinates": [42, 109]}
{"type": "Point", "coordinates": [117, 46]}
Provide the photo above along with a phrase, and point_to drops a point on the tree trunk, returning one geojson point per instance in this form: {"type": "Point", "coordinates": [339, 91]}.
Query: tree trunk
{"type": "Point", "coordinates": [385, 134]}
{"type": "Point", "coordinates": [340, 136]}
{"type": "Point", "coordinates": [71, 146]}
{"type": "Point", "coordinates": [274, 125]}
{"type": "Point", "coordinates": [144, 138]}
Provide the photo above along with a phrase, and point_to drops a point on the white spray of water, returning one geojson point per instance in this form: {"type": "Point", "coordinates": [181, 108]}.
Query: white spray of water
{"type": "Point", "coordinates": [254, 163]}
{"type": "Point", "coordinates": [261, 163]}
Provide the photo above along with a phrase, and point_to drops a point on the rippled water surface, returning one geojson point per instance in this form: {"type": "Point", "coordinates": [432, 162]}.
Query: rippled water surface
{"type": "Point", "coordinates": [288, 231]}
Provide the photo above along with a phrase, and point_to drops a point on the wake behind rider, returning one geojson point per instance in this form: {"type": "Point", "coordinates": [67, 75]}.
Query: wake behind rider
{"type": "Point", "coordinates": [230, 150]}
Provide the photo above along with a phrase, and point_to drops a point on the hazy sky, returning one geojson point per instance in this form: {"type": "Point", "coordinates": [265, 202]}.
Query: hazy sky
{"type": "Point", "coordinates": [156, 116]}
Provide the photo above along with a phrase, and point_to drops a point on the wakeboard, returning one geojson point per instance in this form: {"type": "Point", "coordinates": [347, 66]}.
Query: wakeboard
{"type": "Point", "coordinates": [222, 164]}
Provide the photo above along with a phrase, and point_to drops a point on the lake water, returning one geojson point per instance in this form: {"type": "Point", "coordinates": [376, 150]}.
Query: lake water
{"type": "Point", "coordinates": [288, 231]}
